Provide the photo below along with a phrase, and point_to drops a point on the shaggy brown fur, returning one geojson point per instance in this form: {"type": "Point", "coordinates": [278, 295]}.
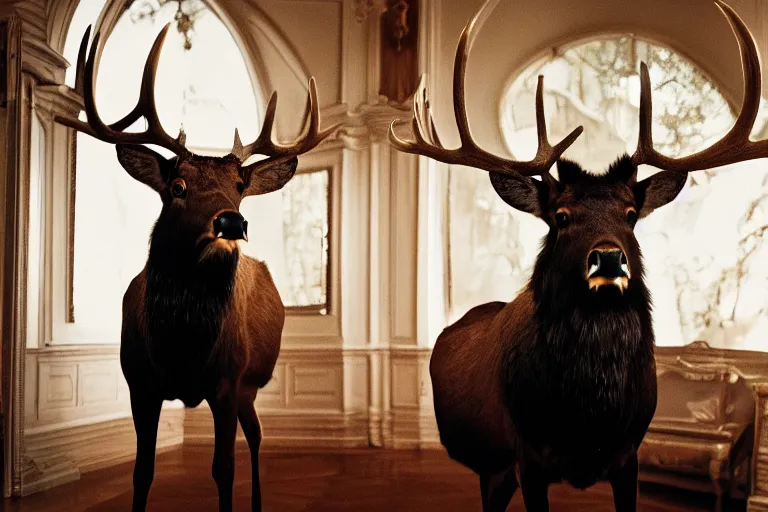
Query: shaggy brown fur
{"type": "Point", "coordinates": [201, 321]}
{"type": "Point", "coordinates": [560, 383]}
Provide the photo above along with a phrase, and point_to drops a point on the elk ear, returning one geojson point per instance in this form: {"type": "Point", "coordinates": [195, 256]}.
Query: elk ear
{"type": "Point", "coordinates": [521, 192]}
{"type": "Point", "coordinates": [657, 190]}
{"type": "Point", "coordinates": [268, 176]}
{"type": "Point", "coordinates": [144, 165]}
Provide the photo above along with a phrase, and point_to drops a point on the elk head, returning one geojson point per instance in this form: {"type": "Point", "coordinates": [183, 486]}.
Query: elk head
{"type": "Point", "coordinates": [200, 195]}
{"type": "Point", "coordinates": [590, 248]}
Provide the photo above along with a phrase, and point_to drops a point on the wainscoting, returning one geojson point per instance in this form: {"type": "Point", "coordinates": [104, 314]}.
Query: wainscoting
{"type": "Point", "coordinates": [78, 416]}
{"type": "Point", "coordinates": [321, 397]}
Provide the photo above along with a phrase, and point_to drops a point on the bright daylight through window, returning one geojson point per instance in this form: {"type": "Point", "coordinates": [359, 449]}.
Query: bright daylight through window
{"type": "Point", "coordinates": [204, 86]}
{"type": "Point", "coordinates": [702, 252]}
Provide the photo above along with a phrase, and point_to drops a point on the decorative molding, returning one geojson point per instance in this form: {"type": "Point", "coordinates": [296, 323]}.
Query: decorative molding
{"type": "Point", "coordinates": [41, 61]}
{"type": "Point", "coordinates": [72, 180]}
{"type": "Point", "coordinates": [74, 384]}
{"type": "Point", "coordinates": [319, 398]}
{"type": "Point", "coordinates": [758, 501]}
{"type": "Point", "coordinates": [750, 365]}
{"type": "Point", "coordinates": [314, 429]}
{"type": "Point", "coordinates": [57, 100]}
{"type": "Point", "coordinates": [370, 123]}
{"type": "Point", "coordinates": [757, 504]}
{"type": "Point", "coordinates": [32, 14]}
{"type": "Point", "coordinates": [78, 415]}
{"type": "Point", "coordinates": [11, 287]}
{"type": "Point", "coordinates": [54, 456]}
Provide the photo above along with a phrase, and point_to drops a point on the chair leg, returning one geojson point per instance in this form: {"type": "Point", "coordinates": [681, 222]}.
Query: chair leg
{"type": "Point", "coordinates": [715, 473]}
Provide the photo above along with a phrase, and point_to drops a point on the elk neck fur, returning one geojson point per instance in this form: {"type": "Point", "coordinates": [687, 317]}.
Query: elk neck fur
{"type": "Point", "coordinates": [187, 301]}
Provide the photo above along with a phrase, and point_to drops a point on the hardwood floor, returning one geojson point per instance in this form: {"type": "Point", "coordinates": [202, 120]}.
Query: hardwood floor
{"type": "Point", "coordinates": [355, 480]}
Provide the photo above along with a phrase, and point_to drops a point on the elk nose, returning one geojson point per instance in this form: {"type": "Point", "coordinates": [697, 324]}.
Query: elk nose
{"type": "Point", "coordinates": [607, 261]}
{"type": "Point", "coordinates": [231, 226]}
{"type": "Point", "coordinates": [607, 266]}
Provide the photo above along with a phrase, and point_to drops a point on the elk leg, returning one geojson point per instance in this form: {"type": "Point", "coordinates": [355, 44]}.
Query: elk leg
{"type": "Point", "coordinates": [535, 485]}
{"type": "Point", "coordinates": [246, 413]}
{"type": "Point", "coordinates": [497, 490]}
{"type": "Point", "coordinates": [145, 409]}
{"type": "Point", "coordinates": [624, 484]}
{"type": "Point", "coordinates": [224, 411]}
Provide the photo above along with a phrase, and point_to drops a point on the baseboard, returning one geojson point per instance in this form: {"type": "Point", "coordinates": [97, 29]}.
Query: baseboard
{"type": "Point", "coordinates": [413, 430]}
{"type": "Point", "coordinates": [54, 456]}
{"type": "Point", "coordinates": [283, 429]}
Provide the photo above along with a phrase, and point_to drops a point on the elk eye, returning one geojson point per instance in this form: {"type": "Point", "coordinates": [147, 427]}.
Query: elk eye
{"type": "Point", "coordinates": [562, 219]}
{"type": "Point", "coordinates": [631, 216]}
{"type": "Point", "coordinates": [240, 187]}
{"type": "Point", "coordinates": [179, 188]}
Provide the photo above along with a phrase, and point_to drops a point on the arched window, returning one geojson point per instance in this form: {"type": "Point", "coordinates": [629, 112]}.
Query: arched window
{"type": "Point", "coordinates": [701, 252]}
{"type": "Point", "coordinates": [203, 85]}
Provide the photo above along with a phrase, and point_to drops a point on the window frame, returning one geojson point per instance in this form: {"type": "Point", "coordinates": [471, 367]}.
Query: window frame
{"type": "Point", "coordinates": [539, 58]}
{"type": "Point", "coordinates": [315, 309]}
{"type": "Point", "coordinates": [304, 324]}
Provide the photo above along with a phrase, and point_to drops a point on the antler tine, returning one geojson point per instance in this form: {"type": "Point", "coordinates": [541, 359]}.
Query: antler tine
{"type": "Point", "coordinates": [145, 106]}
{"type": "Point", "coordinates": [264, 140]}
{"type": "Point", "coordinates": [423, 116]}
{"type": "Point", "coordinates": [89, 100]}
{"type": "Point", "coordinates": [427, 143]}
{"type": "Point", "coordinates": [423, 145]}
{"type": "Point", "coordinates": [237, 146]}
{"type": "Point", "coordinates": [460, 73]}
{"type": "Point", "coordinates": [311, 117]}
{"type": "Point", "coordinates": [146, 103]}
{"type": "Point", "coordinates": [80, 66]}
{"type": "Point", "coordinates": [310, 135]}
{"type": "Point", "coordinates": [735, 146]}
{"type": "Point", "coordinates": [645, 132]}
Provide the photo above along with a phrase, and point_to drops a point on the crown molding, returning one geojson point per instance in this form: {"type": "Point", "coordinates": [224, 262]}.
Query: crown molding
{"type": "Point", "coordinates": [53, 100]}
{"type": "Point", "coordinates": [369, 123]}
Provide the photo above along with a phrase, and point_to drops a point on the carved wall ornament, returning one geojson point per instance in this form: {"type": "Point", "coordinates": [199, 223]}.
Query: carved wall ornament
{"type": "Point", "coordinates": [399, 50]}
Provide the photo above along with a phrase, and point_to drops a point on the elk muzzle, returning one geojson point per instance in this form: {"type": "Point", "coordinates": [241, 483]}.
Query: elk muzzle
{"type": "Point", "coordinates": [607, 266]}
{"type": "Point", "coordinates": [230, 225]}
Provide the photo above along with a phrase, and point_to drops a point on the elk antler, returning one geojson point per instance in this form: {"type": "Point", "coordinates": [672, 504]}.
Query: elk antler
{"type": "Point", "coordinates": [310, 137]}
{"type": "Point", "coordinates": [735, 146]}
{"type": "Point", "coordinates": [85, 82]}
{"type": "Point", "coordinates": [428, 144]}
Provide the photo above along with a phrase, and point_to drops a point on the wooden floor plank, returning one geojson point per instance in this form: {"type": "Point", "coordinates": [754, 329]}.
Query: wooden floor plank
{"type": "Point", "coordinates": [311, 481]}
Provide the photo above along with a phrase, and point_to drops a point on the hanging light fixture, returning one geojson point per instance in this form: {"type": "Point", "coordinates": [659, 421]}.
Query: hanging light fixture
{"type": "Point", "coordinates": [364, 9]}
{"type": "Point", "coordinates": [187, 12]}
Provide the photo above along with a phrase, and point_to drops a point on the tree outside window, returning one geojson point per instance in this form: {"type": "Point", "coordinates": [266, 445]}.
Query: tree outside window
{"type": "Point", "coordinates": [701, 252]}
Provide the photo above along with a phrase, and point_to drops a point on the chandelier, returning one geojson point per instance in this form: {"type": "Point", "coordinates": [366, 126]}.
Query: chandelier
{"type": "Point", "coordinates": [187, 11]}
{"type": "Point", "coordinates": [366, 8]}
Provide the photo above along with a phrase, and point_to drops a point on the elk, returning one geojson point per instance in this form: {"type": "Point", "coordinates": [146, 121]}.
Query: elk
{"type": "Point", "coordinates": [201, 321]}
{"type": "Point", "coordinates": [560, 384]}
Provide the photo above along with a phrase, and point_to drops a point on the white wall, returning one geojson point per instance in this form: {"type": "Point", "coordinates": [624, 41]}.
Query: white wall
{"type": "Point", "coordinates": [358, 376]}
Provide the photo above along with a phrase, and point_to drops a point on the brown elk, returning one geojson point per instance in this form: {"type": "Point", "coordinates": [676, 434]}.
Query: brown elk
{"type": "Point", "coordinates": [201, 321]}
{"type": "Point", "coordinates": [560, 383]}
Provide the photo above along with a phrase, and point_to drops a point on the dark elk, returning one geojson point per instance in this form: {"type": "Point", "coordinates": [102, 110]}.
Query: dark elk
{"type": "Point", "coordinates": [560, 384]}
{"type": "Point", "coordinates": [201, 321]}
